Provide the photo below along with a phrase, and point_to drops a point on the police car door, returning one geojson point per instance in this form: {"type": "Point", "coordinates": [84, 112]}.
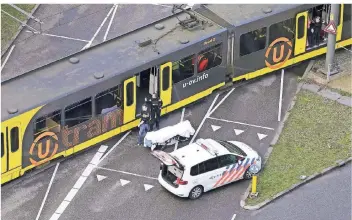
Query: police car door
{"type": "Point", "coordinates": [227, 166]}
{"type": "Point", "coordinates": [212, 173]}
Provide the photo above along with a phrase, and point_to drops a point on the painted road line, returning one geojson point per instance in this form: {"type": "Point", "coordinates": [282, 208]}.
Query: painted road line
{"type": "Point", "coordinates": [112, 18]}
{"type": "Point", "coordinates": [120, 171]}
{"type": "Point", "coordinates": [233, 217]}
{"type": "Point", "coordinates": [241, 123]}
{"type": "Point", "coordinates": [222, 100]}
{"type": "Point", "coordinates": [123, 137]}
{"type": "Point", "coordinates": [281, 90]}
{"type": "Point", "coordinates": [69, 38]}
{"type": "Point", "coordinates": [97, 32]}
{"type": "Point", "coordinates": [47, 191]}
{"type": "Point", "coordinates": [69, 197]}
{"type": "Point", "coordinates": [205, 117]}
{"type": "Point", "coordinates": [182, 116]}
{"type": "Point", "coordinates": [7, 57]}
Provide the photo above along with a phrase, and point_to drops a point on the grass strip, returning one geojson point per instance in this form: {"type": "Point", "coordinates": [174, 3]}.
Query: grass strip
{"type": "Point", "coordinates": [9, 26]}
{"type": "Point", "coordinates": [316, 134]}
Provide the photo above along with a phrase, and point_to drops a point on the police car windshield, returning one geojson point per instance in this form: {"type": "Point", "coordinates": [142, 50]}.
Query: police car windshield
{"type": "Point", "coordinates": [231, 147]}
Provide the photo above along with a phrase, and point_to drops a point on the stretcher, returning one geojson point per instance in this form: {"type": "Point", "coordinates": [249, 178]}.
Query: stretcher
{"type": "Point", "coordinates": [169, 135]}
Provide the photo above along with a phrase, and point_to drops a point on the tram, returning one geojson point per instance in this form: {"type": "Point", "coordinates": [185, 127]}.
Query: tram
{"type": "Point", "coordinates": [79, 101]}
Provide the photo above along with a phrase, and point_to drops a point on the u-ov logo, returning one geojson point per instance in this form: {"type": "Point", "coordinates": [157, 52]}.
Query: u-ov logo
{"type": "Point", "coordinates": [48, 138]}
{"type": "Point", "coordinates": [278, 60]}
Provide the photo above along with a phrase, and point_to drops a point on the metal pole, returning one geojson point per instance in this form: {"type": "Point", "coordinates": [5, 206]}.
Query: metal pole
{"type": "Point", "coordinates": [334, 17]}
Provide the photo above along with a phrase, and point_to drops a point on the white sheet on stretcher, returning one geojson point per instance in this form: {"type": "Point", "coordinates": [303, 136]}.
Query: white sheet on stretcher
{"type": "Point", "coordinates": [183, 129]}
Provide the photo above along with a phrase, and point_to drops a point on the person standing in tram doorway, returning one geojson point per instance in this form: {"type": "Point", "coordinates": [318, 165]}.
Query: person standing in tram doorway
{"type": "Point", "coordinates": [144, 125]}
{"type": "Point", "coordinates": [156, 111]}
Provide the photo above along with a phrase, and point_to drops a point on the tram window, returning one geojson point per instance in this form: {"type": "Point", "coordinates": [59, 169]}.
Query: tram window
{"type": "Point", "coordinates": [301, 27]}
{"type": "Point", "coordinates": [130, 94]}
{"type": "Point", "coordinates": [209, 58]}
{"type": "Point", "coordinates": [107, 101]}
{"type": "Point", "coordinates": [346, 12]}
{"type": "Point", "coordinates": [166, 78]}
{"type": "Point", "coordinates": [50, 121]}
{"type": "Point", "coordinates": [282, 29]}
{"type": "Point", "coordinates": [78, 113]}
{"type": "Point", "coordinates": [2, 144]}
{"type": "Point", "coordinates": [252, 41]}
{"type": "Point", "coordinates": [182, 69]}
{"type": "Point", "coordinates": [14, 139]}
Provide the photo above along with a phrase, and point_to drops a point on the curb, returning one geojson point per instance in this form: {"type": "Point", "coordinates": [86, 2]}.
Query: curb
{"type": "Point", "coordinates": [20, 28]}
{"type": "Point", "coordinates": [338, 163]}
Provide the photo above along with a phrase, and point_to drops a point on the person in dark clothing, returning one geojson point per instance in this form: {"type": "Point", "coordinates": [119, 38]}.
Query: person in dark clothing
{"type": "Point", "coordinates": [310, 34]}
{"type": "Point", "coordinates": [317, 28]}
{"type": "Point", "coordinates": [156, 111]}
{"type": "Point", "coordinates": [144, 125]}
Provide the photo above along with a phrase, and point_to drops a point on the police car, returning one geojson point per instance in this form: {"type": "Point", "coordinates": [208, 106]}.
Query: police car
{"type": "Point", "coordinates": [205, 165]}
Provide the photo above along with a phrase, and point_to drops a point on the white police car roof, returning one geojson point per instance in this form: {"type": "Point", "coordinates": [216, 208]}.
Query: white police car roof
{"type": "Point", "coordinates": [201, 150]}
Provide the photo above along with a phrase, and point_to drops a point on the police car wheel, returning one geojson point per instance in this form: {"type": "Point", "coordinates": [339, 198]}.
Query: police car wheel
{"type": "Point", "coordinates": [247, 175]}
{"type": "Point", "coordinates": [196, 192]}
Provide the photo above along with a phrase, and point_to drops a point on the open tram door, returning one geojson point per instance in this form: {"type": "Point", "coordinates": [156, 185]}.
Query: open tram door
{"type": "Point", "coordinates": [129, 100]}
{"type": "Point", "coordinates": [165, 84]}
{"type": "Point", "coordinates": [301, 32]}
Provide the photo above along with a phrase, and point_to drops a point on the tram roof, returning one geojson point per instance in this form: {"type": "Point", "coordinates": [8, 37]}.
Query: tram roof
{"type": "Point", "coordinates": [239, 14]}
{"type": "Point", "coordinates": [111, 58]}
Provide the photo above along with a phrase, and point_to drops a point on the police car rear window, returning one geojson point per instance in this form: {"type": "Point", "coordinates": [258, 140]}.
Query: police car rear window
{"type": "Point", "coordinates": [232, 148]}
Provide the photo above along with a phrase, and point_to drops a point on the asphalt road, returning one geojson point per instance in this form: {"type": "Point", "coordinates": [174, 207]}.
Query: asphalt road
{"type": "Point", "coordinates": [252, 108]}
{"type": "Point", "coordinates": [326, 198]}
{"type": "Point", "coordinates": [78, 22]}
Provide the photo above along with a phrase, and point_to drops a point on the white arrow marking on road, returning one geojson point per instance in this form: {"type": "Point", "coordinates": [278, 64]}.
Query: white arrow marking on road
{"type": "Point", "coordinates": [124, 182]}
{"type": "Point", "coordinates": [261, 136]}
{"type": "Point", "coordinates": [215, 128]}
{"type": "Point", "coordinates": [147, 187]}
{"type": "Point", "coordinates": [237, 131]}
{"type": "Point", "coordinates": [100, 177]}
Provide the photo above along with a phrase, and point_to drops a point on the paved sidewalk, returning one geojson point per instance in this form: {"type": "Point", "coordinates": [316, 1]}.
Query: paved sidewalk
{"type": "Point", "coordinates": [341, 81]}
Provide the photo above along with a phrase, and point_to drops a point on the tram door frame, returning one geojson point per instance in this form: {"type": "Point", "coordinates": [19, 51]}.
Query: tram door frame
{"type": "Point", "coordinates": [129, 106]}
{"type": "Point", "coordinates": [165, 83]}
{"type": "Point", "coordinates": [11, 159]}
{"type": "Point", "coordinates": [301, 40]}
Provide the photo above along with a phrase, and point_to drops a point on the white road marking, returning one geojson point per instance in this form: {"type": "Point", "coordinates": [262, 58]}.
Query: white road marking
{"type": "Point", "coordinates": [205, 117]}
{"type": "Point", "coordinates": [182, 116]}
{"type": "Point", "coordinates": [96, 33]}
{"type": "Point", "coordinates": [69, 38]}
{"type": "Point", "coordinates": [77, 185]}
{"type": "Point", "coordinates": [261, 136]}
{"type": "Point", "coordinates": [237, 131]}
{"type": "Point", "coordinates": [71, 194]}
{"type": "Point", "coordinates": [215, 128]}
{"type": "Point", "coordinates": [123, 137]}
{"type": "Point", "coordinates": [233, 217]}
{"type": "Point", "coordinates": [241, 123]}
{"type": "Point", "coordinates": [7, 57]}
{"type": "Point", "coordinates": [124, 182]}
{"type": "Point", "coordinates": [222, 100]}
{"type": "Point", "coordinates": [59, 36]}
{"type": "Point", "coordinates": [112, 18]}
{"type": "Point", "coordinates": [133, 174]}
{"type": "Point", "coordinates": [281, 90]}
{"type": "Point", "coordinates": [100, 177]}
{"type": "Point", "coordinates": [47, 191]}
{"type": "Point", "coordinates": [147, 187]}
